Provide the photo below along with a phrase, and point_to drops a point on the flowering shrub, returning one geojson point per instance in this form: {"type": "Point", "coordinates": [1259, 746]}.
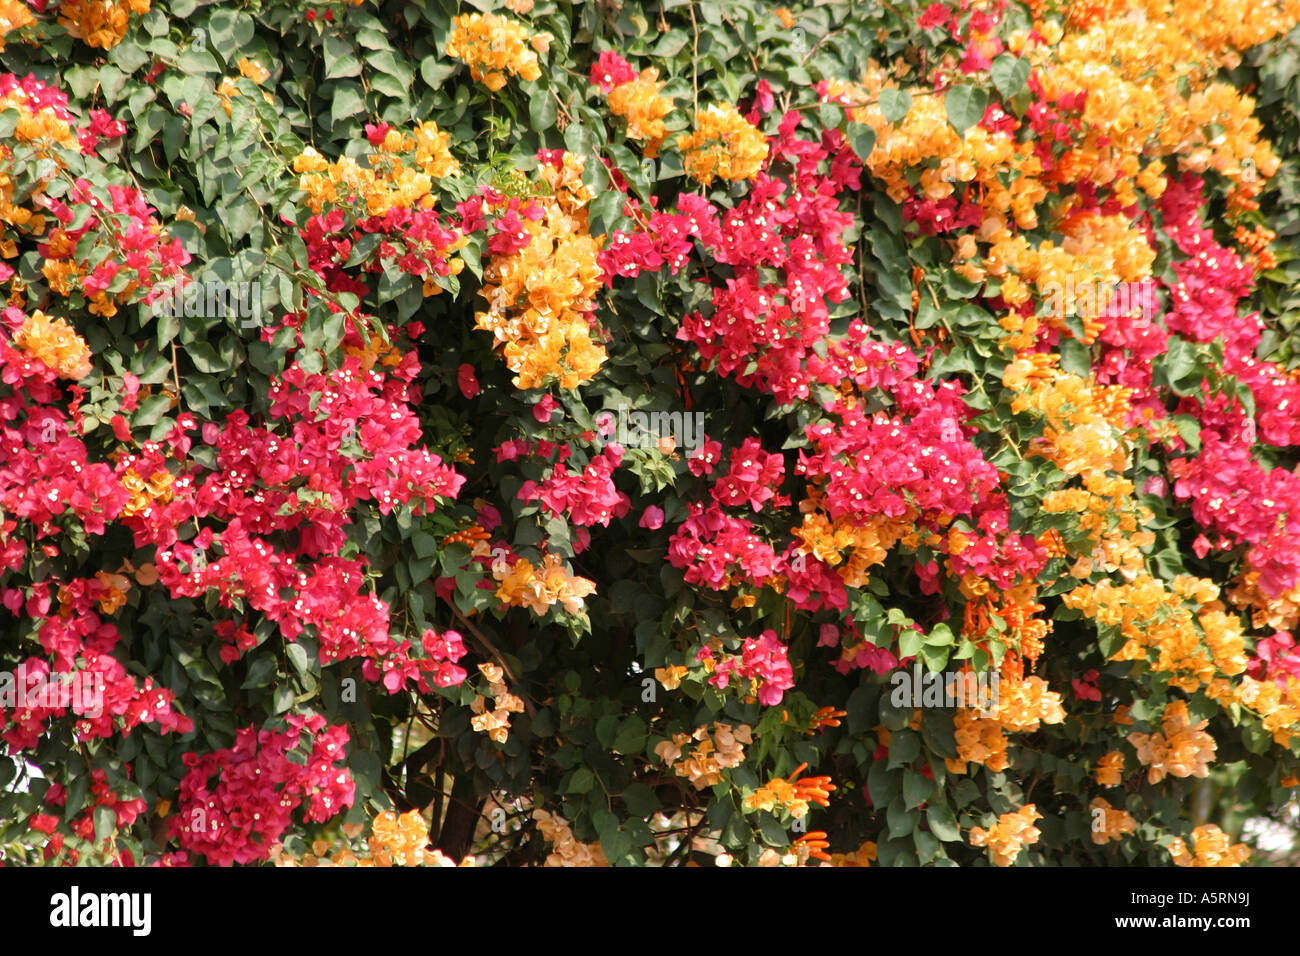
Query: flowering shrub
{"type": "Point", "coordinates": [964, 333]}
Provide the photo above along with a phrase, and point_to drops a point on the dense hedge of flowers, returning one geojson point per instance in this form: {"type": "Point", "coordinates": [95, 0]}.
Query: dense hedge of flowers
{"type": "Point", "coordinates": [548, 433]}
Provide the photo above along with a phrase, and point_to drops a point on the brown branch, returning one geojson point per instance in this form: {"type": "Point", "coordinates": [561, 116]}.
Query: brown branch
{"type": "Point", "coordinates": [495, 652]}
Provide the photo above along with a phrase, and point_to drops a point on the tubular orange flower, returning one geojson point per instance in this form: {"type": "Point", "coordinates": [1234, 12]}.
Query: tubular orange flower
{"type": "Point", "coordinates": [814, 844]}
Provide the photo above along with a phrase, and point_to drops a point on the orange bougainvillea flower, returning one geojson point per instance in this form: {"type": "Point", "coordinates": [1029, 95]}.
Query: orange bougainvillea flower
{"type": "Point", "coordinates": [1110, 769]}
{"type": "Point", "coordinates": [724, 145]}
{"type": "Point", "coordinates": [399, 840]}
{"type": "Point", "coordinates": [864, 855]}
{"type": "Point", "coordinates": [1212, 848]}
{"type": "Point", "coordinates": [1011, 834]}
{"type": "Point", "coordinates": [1181, 749]}
{"type": "Point", "coordinates": [493, 46]}
{"type": "Point", "coordinates": [56, 344]}
{"type": "Point", "coordinates": [100, 23]}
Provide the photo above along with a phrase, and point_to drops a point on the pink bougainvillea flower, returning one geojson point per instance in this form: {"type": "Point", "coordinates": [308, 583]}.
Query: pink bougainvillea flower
{"type": "Point", "coordinates": [543, 409]}
{"type": "Point", "coordinates": [465, 378]}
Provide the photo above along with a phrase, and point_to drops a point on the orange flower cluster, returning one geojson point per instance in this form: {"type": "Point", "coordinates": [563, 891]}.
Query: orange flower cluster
{"type": "Point", "coordinates": [1098, 263]}
{"type": "Point", "coordinates": [253, 70]}
{"type": "Point", "coordinates": [1182, 622]}
{"type": "Point", "coordinates": [851, 548]}
{"type": "Point", "coordinates": [145, 493]}
{"type": "Point", "coordinates": [377, 350]}
{"type": "Point", "coordinates": [1115, 823]}
{"type": "Point", "coordinates": [1182, 749]}
{"type": "Point", "coordinates": [100, 23]}
{"type": "Point", "coordinates": [994, 170]}
{"type": "Point", "coordinates": [399, 840]}
{"type": "Point", "coordinates": [825, 717]}
{"type": "Point", "coordinates": [812, 845]}
{"type": "Point", "coordinates": [1278, 613]}
{"type": "Point", "coordinates": [1083, 435]}
{"type": "Point", "coordinates": [1254, 244]}
{"type": "Point", "coordinates": [1025, 702]}
{"type": "Point", "coordinates": [116, 587]}
{"type": "Point", "coordinates": [1110, 769]}
{"type": "Point", "coordinates": [1011, 834]}
{"type": "Point", "coordinates": [638, 101]}
{"type": "Point", "coordinates": [391, 181]}
{"type": "Point", "coordinates": [1223, 27]}
{"type": "Point", "coordinates": [540, 298]}
{"type": "Point", "coordinates": [55, 343]}
{"type": "Point", "coordinates": [470, 536]}
{"type": "Point", "coordinates": [1016, 606]}
{"type": "Point", "coordinates": [40, 126]}
{"type": "Point", "coordinates": [567, 850]}
{"type": "Point", "coordinates": [14, 15]}
{"type": "Point", "coordinates": [864, 855]}
{"type": "Point", "coordinates": [1149, 86]}
{"type": "Point", "coordinates": [724, 145]}
{"type": "Point", "coordinates": [792, 795]}
{"type": "Point", "coordinates": [1083, 428]}
{"type": "Point", "coordinates": [523, 585]}
{"type": "Point", "coordinates": [495, 722]}
{"type": "Point", "coordinates": [493, 46]}
{"type": "Point", "coordinates": [395, 841]}
{"type": "Point", "coordinates": [1022, 704]}
{"type": "Point", "coordinates": [671, 677]}
{"type": "Point", "coordinates": [709, 755]}
{"type": "Point", "coordinates": [1277, 706]}
{"type": "Point", "coordinates": [1212, 847]}
{"type": "Point", "coordinates": [980, 740]}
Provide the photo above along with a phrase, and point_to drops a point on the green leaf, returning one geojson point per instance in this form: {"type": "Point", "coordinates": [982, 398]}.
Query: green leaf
{"type": "Point", "coordinates": [631, 736]}
{"type": "Point", "coordinates": [894, 104]}
{"type": "Point", "coordinates": [936, 658]}
{"type": "Point", "coordinates": [916, 788]}
{"type": "Point", "coordinates": [581, 781]}
{"type": "Point", "coordinates": [641, 800]}
{"type": "Point", "coordinates": [1010, 74]}
{"type": "Point", "coordinates": [901, 820]}
{"type": "Point", "coordinates": [347, 102]}
{"type": "Point", "coordinates": [299, 658]}
{"type": "Point", "coordinates": [1076, 357]}
{"type": "Point", "coordinates": [942, 823]}
{"type": "Point", "coordinates": [904, 747]}
{"type": "Point", "coordinates": [862, 140]}
{"type": "Point", "coordinates": [606, 210]}
{"type": "Point", "coordinates": [230, 31]}
{"type": "Point", "coordinates": [105, 822]}
{"type": "Point", "coordinates": [965, 106]}
{"type": "Point", "coordinates": [941, 636]}
{"type": "Point", "coordinates": [542, 110]}
{"type": "Point", "coordinates": [260, 672]}
{"type": "Point", "coordinates": [341, 58]}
